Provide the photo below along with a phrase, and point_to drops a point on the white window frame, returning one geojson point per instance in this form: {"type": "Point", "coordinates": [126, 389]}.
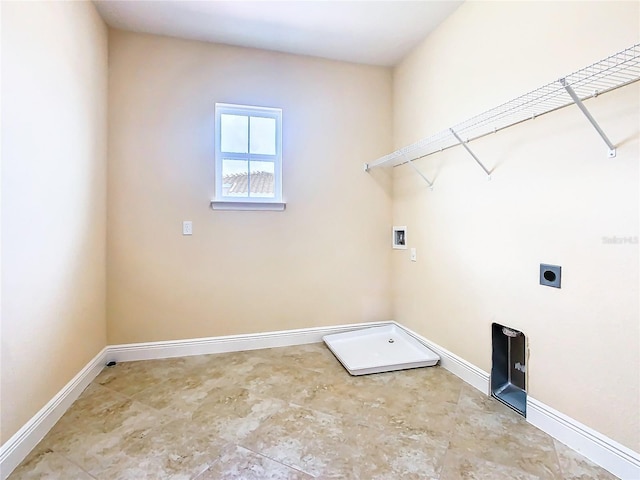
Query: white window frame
{"type": "Point", "coordinates": [222, 202]}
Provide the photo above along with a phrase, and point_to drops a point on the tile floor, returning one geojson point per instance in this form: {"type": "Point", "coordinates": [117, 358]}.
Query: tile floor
{"type": "Point", "coordinates": [291, 413]}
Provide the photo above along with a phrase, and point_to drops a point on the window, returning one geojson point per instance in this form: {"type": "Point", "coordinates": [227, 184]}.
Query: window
{"type": "Point", "coordinates": [248, 157]}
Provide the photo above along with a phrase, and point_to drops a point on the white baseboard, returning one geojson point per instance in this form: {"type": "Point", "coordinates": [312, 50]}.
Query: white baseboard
{"type": "Point", "coordinates": [230, 343]}
{"type": "Point", "coordinates": [14, 450]}
{"type": "Point", "coordinates": [459, 367]}
{"type": "Point", "coordinates": [610, 455]}
{"type": "Point", "coordinates": [600, 449]}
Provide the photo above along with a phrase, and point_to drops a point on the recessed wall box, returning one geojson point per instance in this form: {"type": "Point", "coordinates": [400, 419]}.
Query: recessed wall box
{"type": "Point", "coordinates": [508, 367]}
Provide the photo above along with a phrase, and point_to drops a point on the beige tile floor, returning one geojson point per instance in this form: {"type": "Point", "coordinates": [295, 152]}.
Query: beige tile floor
{"type": "Point", "coordinates": [291, 413]}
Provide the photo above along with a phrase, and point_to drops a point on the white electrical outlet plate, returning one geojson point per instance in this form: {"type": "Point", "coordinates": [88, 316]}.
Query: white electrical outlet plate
{"type": "Point", "coordinates": [414, 257]}
{"type": "Point", "coordinates": [187, 228]}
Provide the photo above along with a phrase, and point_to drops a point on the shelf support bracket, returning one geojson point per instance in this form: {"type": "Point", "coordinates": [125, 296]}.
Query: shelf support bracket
{"type": "Point", "coordinates": [410, 162]}
{"type": "Point", "coordinates": [578, 102]}
{"type": "Point", "coordinates": [466, 147]}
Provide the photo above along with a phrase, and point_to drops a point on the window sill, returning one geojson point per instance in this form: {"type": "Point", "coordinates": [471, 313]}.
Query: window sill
{"type": "Point", "coordinates": [269, 206]}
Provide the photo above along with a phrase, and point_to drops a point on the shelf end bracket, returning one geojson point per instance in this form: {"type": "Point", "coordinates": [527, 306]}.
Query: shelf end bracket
{"type": "Point", "coordinates": [466, 147]}
{"type": "Point", "coordinates": [612, 149]}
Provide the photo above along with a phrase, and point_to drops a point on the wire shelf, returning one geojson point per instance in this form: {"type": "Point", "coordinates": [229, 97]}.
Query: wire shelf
{"type": "Point", "coordinates": [613, 72]}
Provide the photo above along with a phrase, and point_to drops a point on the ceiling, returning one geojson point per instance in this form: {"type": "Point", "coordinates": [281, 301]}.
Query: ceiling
{"type": "Point", "coordinates": [370, 32]}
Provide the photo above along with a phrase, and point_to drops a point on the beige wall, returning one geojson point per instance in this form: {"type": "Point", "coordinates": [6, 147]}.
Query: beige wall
{"type": "Point", "coordinates": [553, 197]}
{"type": "Point", "coordinates": [324, 261]}
{"type": "Point", "coordinates": [54, 94]}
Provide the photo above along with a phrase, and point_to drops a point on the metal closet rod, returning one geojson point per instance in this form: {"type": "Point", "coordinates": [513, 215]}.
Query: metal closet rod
{"type": "Point", "coordinates": [496, 130]}
{"type": "Point", "coordinates": [616, 71]}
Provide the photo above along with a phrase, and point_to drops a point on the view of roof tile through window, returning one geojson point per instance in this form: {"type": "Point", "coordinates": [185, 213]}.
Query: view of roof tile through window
{"type": "Point", "coordinates": [262, 183]}
{"type": "Point", "coordinates": [613, 72]}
